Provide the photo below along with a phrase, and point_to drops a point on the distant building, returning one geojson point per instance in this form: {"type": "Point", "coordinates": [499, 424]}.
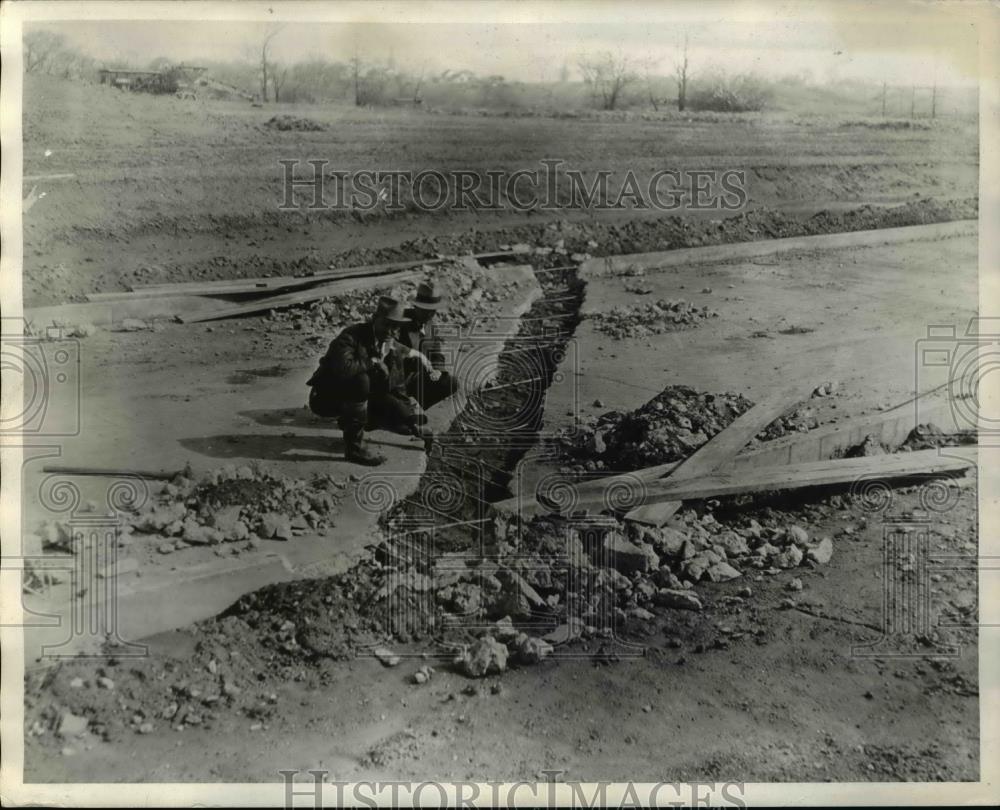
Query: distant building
{"type": "Point", "coordinates": [151, 81]}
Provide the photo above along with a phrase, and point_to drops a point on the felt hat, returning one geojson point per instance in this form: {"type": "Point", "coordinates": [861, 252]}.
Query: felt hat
{"type": "Point", "coordinates": [391, 310]}
{"type": "Point", "coordinates": [429, 296]}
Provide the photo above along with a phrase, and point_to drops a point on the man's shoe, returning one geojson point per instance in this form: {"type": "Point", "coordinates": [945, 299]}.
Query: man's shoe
{"type": "Point", "coordinates": [355, 450]}
{"type": "Point", "coordinates": [425, 433]}
{"type": "Point", "coordinates": [362, 455]}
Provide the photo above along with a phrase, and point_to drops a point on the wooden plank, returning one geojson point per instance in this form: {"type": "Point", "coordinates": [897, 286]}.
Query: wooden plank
{"type": "Point", "coordinates": [890, 428]}
{"type": "Point", "coordinates": [113, 472]}
{"type": "Point", "coordinates": [300, 297]}
{"type": "Point", "coordinates": [276, 282]}
{"type": "Point", "coordinates": [722, 447]}
{"type": "Point", "coordinates": [251, 285]}
{"type": "Point", "coordinates": [797, 476]}
{"type": "Point", "coordinates": [32, 178]}
{"type": "Point", "coordinates": [238, 288]}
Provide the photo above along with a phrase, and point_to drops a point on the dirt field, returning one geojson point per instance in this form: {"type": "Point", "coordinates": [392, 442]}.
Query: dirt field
{"type": "Point", "coordinates": [171, 190]}
{"type": "Point", "coordinates": [767, 682]}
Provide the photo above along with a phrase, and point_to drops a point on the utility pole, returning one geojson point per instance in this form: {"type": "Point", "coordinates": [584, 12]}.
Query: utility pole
{"type": "Point", "coordinates": [934, 99]}
{"type": "Point", "coordinates": [883, 99]}
{"type": "Point", "coordinates": [913, 100]}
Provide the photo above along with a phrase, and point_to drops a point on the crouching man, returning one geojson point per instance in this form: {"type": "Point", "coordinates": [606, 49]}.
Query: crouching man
{"type": "Point", "coordinates": [361, 382]}
{"type": "Point", "coordinates": [427, 380]}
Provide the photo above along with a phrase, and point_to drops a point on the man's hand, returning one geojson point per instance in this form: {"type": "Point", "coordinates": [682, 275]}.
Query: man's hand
{"type": "Point", "coordinates": [434, 374]}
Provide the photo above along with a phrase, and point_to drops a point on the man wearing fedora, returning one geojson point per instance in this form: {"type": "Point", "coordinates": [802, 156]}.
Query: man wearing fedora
{"type": "Point", "coordinates": [427, 379]}
{"type": "Point", "coordinates": [361, 382]}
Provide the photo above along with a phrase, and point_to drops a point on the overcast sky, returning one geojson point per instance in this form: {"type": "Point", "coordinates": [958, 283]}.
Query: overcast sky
{"type": "Point", "coordinates": [897, 42]}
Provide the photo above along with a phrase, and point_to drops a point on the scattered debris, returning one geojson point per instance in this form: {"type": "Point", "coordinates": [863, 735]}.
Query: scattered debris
{"type": "Point", "coordinates": [641, 320]}
{"type": "Point", "coordinates": [386, 656]}
{"type": "Point", "coordinates": [472, 293]}
{"type": "Point", "coordinates": [670, 427]}
{"type": "Point", "coordinates": [485, 657]}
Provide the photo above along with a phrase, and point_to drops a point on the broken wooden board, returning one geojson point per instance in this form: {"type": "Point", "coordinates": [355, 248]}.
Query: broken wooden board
{"type": "Point", "coordinates": [721, 448]}
{"type": "Point", "coordinates": [112, 472]}
{"type": "Point", "coordinates": [259, 284]}
{"type": "Point", "coordinates": [265, 283]}
{"type": "Point", "coordinates": [890, 428]}
{"type": "Point", "coordinates": [808, 474]}
{"type": "Point", "coordinates": [299, 297]}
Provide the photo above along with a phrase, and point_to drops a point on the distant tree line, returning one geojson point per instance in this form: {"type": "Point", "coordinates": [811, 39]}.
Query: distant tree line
{"type": "Point", "coordinates": [601, 80]}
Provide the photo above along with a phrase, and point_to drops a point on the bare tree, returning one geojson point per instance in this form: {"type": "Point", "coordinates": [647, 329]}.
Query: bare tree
{"type": "Point", "coordinates": [40, 49]}
{"type": "Point", "coordinates": [265, 48]}
{"type": "Point", "coordinates": [356, 76]}
{"type": "Point", "coordinates": [681, 72]}
{"type": "Point", "coordinates": [608, 75]}
{"type": "Point", "coordinates": [419, 83]}
{"type": "Point", "coordinates": [279, 75]}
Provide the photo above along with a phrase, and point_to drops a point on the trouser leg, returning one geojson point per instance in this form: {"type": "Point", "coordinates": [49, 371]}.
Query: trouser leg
{"type": "Point", "coordinates": [393, 412]}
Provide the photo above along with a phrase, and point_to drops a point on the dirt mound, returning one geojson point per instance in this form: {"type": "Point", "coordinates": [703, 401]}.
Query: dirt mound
{"type": "Point", "coordinates": [232, 506]}
{"type": "Point", "coordinates": [291, 123]}
{"type": "Point", "coordinates": [473, 296]}
{"type": "Point", "coordinates": [51, 283]}
{"type": "Point", "coordinates": [892, 125]}
{"type": "Point", "coordinates": [670, 427]}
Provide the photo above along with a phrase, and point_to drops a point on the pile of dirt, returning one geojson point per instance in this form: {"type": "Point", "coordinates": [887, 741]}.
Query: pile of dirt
{"type": "Point", "coordinates": [656, 318]}
{"type": "Point", "coordinates": [669, 427]}
{"type": "Point", "coordinates": [55, 282]}
{"type": "Point", "coordinates": [288, 123]}
{"type": "Point", "coordinates": [238, 506]}
{"type": "Point", "coordinates": [473, 295]}
{"type": "Point", "coordinates": [892, 125]}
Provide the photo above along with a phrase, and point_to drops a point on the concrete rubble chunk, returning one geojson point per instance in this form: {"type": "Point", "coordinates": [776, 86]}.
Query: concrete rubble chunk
{"type": "Point", "coordinates": [681, 600]}
{"type": "Point", "coordinates": [671, 541]}
{"type": "Point", "coordinates": [789, 558]}
{"type": "Point", "coordinates": [485, 657]}
{"type": "Point", "coordinates": [386, 656]}
{"type": "Point", "coordinates": [722, 572]}
{"type": "Point", "coordinates": [201, 535]}
{"type": "Point", "coordinates": [733, 544]}
{"type": "Point", "coordinates": [504, 630]}
{"type": "Point", "coordinates": [462, 599]}
{"type": "Point", "coordinates": [225, 521]}
{"type": "Point", "coordinates": [517, 598]}
{"type": "Point", "coordinates": [533, 650]}
{"type": "Point", "coordinates": [696, 567]}
{"type": "Point", "coordinates": [797, 535]}
{"type": "Point", "coordinates": [72, 725]}
{"type": "Point", "coordinates": [564, 633]}
{"type": "Point", "coordinates": [274, 525]}
{"type": "Point", "coordinates": [822, 552]}
{"type": "Point", "coordinates": [628, 558]}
